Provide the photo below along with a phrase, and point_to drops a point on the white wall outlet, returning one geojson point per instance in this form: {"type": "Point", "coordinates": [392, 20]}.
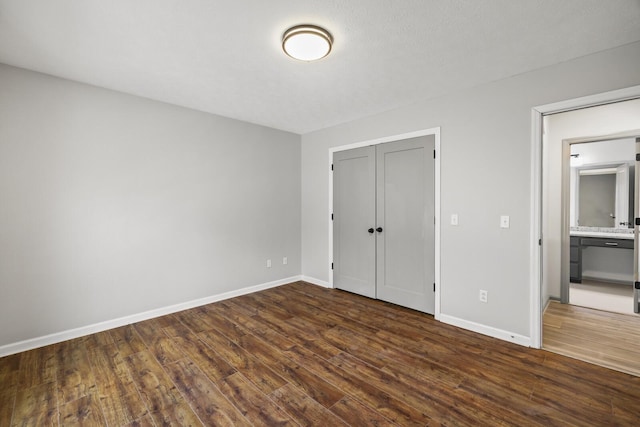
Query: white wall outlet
{"type": "Point", "coordinates": [504, 221]}
{"type": "Point", "coordinates": [268, 263]}
{"type": "Point", "coordinates": [454, 219]}
{"type": "Point", "coordinates": [484, 296]}
{"type": "Point", "coordinates": [284, 261]}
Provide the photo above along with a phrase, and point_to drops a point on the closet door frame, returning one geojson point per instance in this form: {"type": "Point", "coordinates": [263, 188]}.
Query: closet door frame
{"type": "Point", "coordinates": [432, 131]}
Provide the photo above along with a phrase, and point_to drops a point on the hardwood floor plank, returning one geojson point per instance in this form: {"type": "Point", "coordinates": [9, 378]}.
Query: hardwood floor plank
{"type": "Point", "coordinates": [40, 418]}
{"type": "Point", "coordinates": [195, 319]}
{"type": "Point", "coordinates": [75, 377]}
{"type": "Point", "coordinates": [9, 373]}
{"type": "Point", "coordinates": [212, 364]}
{"type": "Point", "coordinates": [7, 403]}
{"type": "Point", "coordinates": [221, 324]}
{"type": "Point", "coordinates": [313, 385]}
{"type": "Point", "coordinates": [145, 421]}
{"type": "Point", "coordinates": [37, 367]}
{"type": "Point", "coordinates": [36, 402]}
{"type": "Point", "coordinates": [127, 340]}
{"type": "Point", "coordinates": [84, 411]}
{"type": "Point", "coordinates": [117, 394]}
{"type": "Point", "coordinates": [206, 400]}
{"type": "Point", "coordinates": [9, 369]}
{"type": "Point", "coordinates": [110, 371]}
{"type": "Point", "coordinates": [231, 311]}
{"type": "Point", "coordinates": [356, 414]}
{"type": "Point", "coordinates": [161, 346]}
{"type": "Point", "coordinates": [593, 410]}
{"type": "Point", "coordinates": [295, 328]}
{"type": "Point", "coordinates": [306, 410]}
{"type": "Point", "coordinates": [360, 388]}
{"type": "Point", "coordinates": [153, 383]}
{"type": "Point", "coordinates": [173, 327]}
{"type": "Point", "coordinates": [571, 371]}
{"type": "Point", "coordinates": [271, 343]}
{"type": "Point", "coordinates": [121, 409]}
{"type": "Point", "coordinates": [257, 372]}
{"type": "Point", "coordinates": [443, 407]}
{"type": "Point", "coordinates": [624, 411]}
{"type": "Point", "coordinates": [148, 330]}
{"type": "Point", "coordinates": [180, 414]}
{"type": "Point", "coordinates": [99, 339]}
{"type": "Point", "coordinates": [252, 403]}
{"type": "Point", "coordinates": [264, 305]}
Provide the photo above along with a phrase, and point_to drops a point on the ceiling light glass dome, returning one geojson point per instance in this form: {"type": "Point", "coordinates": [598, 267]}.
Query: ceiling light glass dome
{"type": "Point", "coordinates": [307, 42]}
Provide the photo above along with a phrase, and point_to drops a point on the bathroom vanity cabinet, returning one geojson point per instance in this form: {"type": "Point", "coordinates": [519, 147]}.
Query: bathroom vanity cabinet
{"type": "Point", "coordinates": [608, 261]}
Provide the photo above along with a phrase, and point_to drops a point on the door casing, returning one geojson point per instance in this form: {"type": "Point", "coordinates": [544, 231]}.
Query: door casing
{"type": "Point", "coordinates": [566, 152]}
{"type": "Point", "coordinates": [535, 231]}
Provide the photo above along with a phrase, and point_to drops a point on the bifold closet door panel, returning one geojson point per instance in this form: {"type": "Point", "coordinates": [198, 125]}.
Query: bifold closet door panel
{"type": "Point", "coordinates": [405, 217]}
{"type": "Point", "coordinates": [354, 216]}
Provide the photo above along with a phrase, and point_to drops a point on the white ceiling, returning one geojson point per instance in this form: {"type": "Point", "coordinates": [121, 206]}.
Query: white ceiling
{"type": "Point", "coordinates": [224, 57]}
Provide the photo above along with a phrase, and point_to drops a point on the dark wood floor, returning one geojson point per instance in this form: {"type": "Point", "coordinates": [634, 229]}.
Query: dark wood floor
{"type": "Point", "coordinates": [303, 355]}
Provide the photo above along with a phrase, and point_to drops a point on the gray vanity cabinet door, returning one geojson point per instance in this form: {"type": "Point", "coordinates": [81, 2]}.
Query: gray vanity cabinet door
{"type": "Point", "coordinates": [354, 213]}
{"type": "Point", "coordinates": [405, 217]}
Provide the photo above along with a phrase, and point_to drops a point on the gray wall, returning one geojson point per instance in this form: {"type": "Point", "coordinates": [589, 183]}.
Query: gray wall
{"type": "Point", "coordinates": [111, 205]}
{"type": "Point", "coordinates": [486, 172]}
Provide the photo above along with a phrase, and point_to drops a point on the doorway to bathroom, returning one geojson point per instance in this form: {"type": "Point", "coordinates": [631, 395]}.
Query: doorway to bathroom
{"type": "Point", "coordinates": [589, 194]}
{"type": "Point", "coordinates": [598, 194]}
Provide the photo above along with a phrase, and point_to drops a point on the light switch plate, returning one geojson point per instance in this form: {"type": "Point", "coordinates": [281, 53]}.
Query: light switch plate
{"type": "Point", "coordinates": [504, 221]}
{"type": "Point", "coordinates": [454, 219]}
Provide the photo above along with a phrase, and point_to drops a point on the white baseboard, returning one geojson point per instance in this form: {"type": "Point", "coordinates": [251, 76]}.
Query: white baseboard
{"type": "Point", "coordinates": [315, 281]}
{"type": "Point", "coordinates": [57, 337]}
{"type": "Point", "coordinates": [486, 330]}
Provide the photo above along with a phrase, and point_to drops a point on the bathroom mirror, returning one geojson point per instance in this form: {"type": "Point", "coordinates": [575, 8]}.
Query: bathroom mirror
{"type": "Point", "coordinates": [603, 196]}
{"type": "Point", "coordinates": [602, 184]}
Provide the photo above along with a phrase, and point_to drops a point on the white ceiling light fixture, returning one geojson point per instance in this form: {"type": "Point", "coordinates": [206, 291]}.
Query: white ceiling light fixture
{"type": "Point", "coordinates": [307, 42]}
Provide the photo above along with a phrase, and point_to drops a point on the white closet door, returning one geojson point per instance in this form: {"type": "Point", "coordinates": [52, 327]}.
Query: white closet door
{"type": "Point", "coordinates": [354, 210]}
{"type": "Point", "coordinates": [405, 223]}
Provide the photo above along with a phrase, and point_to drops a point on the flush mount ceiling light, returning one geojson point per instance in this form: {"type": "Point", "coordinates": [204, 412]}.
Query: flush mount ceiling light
{"type": "Point", "coordinates": [307, 42]}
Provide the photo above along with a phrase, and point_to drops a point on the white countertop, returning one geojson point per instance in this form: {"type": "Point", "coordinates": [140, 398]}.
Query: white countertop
{"type": "Point", "coordinates": [610, 235]}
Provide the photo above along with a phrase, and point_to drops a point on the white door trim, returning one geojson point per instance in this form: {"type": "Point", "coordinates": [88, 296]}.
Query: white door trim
{"type": "Point", "coordinates": [432, 131]}
{"type": "Point", "coordinates": [535, 265]}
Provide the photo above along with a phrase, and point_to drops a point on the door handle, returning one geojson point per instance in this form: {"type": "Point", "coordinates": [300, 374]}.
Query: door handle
{"type": "Point", "coordinates": [611, 244]}
{"type": "Point", "coordinates": [379, 229]}
{"type": "Point", "coordinates": [370, 230]}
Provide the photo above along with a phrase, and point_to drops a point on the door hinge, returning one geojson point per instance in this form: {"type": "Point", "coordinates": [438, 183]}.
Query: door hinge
{"type": "Point", "coordinates": [434, 287]}
{"type": "Point", "coordinates": [332, 266]}
{"type": "Point", "coordinates": [539, 242]}
{"type": "Point", "coordinates": [331, 217]}
{"type": "Point", "coordinates": [434, 154]}
{"type": "Point", "coordinates": [331, 166]}
{"type": "Point", "coordinates": [637, 157]}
